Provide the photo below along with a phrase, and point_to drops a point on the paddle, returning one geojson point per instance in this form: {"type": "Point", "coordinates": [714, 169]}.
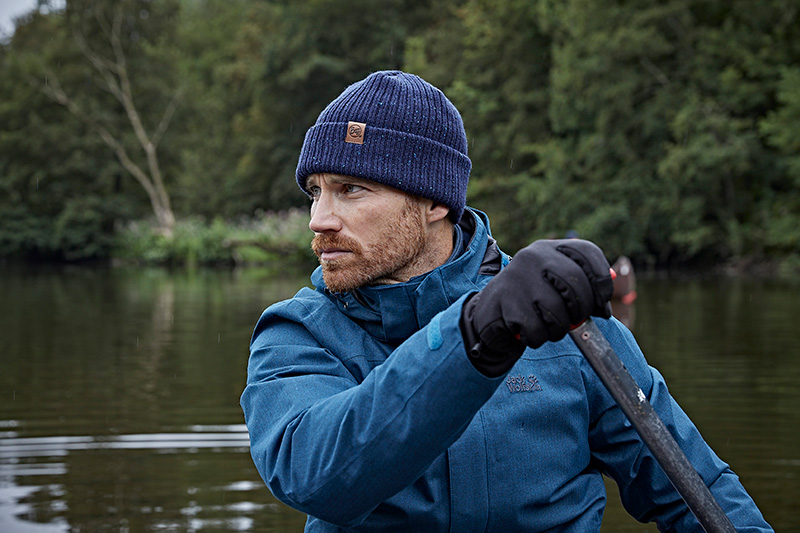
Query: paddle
{"type": "Point", "coordinates": [623, 388]}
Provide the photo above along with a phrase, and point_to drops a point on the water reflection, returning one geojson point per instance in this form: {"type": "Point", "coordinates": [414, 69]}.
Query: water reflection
{"type": "Point", "coordinates": [12, 446]}
{"type": "Point", "coordinates": [27, 459]}
{"type": "Point", "coordinates": [119, 402]}
{"type": "Point", "coordinates": [119, 394]}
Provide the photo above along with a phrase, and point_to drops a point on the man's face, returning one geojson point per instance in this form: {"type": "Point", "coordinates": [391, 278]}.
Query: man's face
{"type": "Point", "coordinates": [365, 233]}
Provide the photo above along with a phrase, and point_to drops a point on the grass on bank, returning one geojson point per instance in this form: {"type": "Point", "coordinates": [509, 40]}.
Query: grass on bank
{"type": "Point", "coordinates": [269, 237]}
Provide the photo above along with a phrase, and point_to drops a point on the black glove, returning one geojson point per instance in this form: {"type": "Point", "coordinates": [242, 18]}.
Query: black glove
{"type": "Point", "coordinates": [549, 286]}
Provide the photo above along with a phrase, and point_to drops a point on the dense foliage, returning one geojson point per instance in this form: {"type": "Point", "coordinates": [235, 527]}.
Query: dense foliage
{"type": "Point", "coordinates": [665, 130]}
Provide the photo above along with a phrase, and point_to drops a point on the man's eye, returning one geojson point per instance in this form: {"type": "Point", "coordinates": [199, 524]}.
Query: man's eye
{"type": "Point", "coordinates": [313, 191]}
{"type": "Point", "coordinates": [354, 188]}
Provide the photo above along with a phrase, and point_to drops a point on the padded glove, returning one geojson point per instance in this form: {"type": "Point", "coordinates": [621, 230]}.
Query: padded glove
{"type": "Point", "coordinates": [549, 286]}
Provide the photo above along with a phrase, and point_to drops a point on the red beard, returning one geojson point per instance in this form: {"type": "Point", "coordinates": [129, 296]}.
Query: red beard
{"type": "Point", "coordinates": [380, 263]}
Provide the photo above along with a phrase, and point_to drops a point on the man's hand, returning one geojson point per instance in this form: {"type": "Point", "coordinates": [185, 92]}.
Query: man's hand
{"type": "Point", "coordinates": [549, 287]}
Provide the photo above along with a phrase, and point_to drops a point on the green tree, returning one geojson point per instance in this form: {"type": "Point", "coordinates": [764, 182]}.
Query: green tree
{"type": "Point", "coordinates": [207, 183]}
{"type": "Point", "coordinates": [782, 128]}
{"type": "Point", "coordinates": [493, 61]}
{"type": "Point", "coordinates": [663, 130]}
{"type": "Point", "coordinates": [636, 124]}
{"type": "Point", "coordinates": [296, 56]}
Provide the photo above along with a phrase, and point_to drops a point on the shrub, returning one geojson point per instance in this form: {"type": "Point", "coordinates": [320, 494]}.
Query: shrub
{"type": "Point", "coordinates": [267, 237]}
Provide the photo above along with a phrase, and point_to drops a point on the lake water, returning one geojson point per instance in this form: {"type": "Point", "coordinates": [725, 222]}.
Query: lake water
{"type": "Point", "coordinates": [119, 393]}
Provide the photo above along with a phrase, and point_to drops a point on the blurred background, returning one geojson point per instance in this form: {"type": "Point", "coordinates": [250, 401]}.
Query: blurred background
{"type": "Point", "coordinates": [148, 213]}
{"type": "Point", "coordinates": [664, 130]}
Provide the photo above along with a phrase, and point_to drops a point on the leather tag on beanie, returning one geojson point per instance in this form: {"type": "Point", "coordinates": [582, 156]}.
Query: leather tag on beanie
{"type": "Point", "coordinates": [355, 132]}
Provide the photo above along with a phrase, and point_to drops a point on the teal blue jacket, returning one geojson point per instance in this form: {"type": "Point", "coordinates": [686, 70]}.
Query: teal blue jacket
{"type": "Point", "coordinates": [365, 413]}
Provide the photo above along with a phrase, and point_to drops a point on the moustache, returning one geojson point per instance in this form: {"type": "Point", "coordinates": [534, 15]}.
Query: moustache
{"type": "Point", "coordinates": [325, 241]}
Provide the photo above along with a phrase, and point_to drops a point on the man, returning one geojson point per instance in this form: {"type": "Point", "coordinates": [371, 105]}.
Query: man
{"type": "Point", "coordinates": [427, 383]}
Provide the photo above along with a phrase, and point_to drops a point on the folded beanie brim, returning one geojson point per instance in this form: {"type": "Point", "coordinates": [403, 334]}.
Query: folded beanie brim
{"type": "Point", "coordinates": [404, 161]}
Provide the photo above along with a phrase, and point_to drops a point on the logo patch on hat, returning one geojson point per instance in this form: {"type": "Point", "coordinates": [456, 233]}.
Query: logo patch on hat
{"type": "Point", "coordinates": [355, 132]}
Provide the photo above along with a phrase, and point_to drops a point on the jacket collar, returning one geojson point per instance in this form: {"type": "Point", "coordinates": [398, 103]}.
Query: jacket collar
{"type": "Point", "coordinates": [392, 313]}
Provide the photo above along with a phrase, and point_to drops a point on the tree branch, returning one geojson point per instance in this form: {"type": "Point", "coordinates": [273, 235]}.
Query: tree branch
{"type": "Point", "coordinates": [166, 118]}
{"type": "Point", "coordinates": [116, 79]}
{"type": "Point", "coordinates": [54, 90]}
{"type": "Point", "coordinates": [105, 68]}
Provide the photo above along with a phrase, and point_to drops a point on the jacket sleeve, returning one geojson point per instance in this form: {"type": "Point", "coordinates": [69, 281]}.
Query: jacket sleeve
{"type": "Point", "coordinates": [335, 448]}
{"type": "Point", "coordinates": [645, 490]}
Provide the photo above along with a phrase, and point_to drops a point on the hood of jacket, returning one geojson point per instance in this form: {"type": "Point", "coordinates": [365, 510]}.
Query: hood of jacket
{"type": "Point", "coordinates": [392, 313]}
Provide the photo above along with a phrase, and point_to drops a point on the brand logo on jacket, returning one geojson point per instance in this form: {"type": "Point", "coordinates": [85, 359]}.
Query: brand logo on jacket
{"type": "Point", "coordinates": [521, 383]}
{"type": "Point", "coordinates": [355, 132]}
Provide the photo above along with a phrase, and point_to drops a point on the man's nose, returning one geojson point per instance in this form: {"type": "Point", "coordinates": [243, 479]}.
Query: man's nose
{"type": "Point", "coordinates": [323, 215]}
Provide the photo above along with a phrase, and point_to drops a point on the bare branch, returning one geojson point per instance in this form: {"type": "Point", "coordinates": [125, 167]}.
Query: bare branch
{"type": "Point", "coordinates": [105, 68]}
{"type": "Point", "coordinates": [114, 74]}
{"type": "Point", "coordinates": [127, 163]}
{"type": "Point", "coordinates": [54, 90]}
{"type": "Point", "coordinates": [166, 118]}
{"type": "Point", "coordinates": [125, 85]}
{"type": "Point", "coordinates": [102, 22]}
{"type": "Point", "coordinates": [116, 41]}
{"type": "Point", "coordinates": [147, 143]}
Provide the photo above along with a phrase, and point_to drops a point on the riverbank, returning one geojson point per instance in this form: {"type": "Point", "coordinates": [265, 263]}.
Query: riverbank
{"type": "Point", "coordinates": [265, 239]}
{"type": "Point", "coordinates": [277, 238]}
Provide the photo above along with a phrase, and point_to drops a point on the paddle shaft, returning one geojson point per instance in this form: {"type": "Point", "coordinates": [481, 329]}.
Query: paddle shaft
{"type": "Point", "coordinates": [623, 388]}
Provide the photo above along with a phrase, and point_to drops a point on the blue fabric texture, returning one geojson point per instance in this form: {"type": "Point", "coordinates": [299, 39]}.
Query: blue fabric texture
{"type": "Point", "coordinates": [411, 138]}
{"type": "Point", "coordinates": [366, 420]}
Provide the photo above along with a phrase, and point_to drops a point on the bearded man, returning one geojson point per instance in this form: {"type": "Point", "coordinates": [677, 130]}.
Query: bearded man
{"type": "Point", "coordinates": [426, 384]}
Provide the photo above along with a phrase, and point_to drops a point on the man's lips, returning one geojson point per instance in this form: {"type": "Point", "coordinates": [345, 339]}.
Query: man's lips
{"type": "Point", "coordinates": [331, 254]}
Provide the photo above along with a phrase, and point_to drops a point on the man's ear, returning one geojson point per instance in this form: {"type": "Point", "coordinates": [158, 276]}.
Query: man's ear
{"type": "Point", "coordinates": [436, 212]}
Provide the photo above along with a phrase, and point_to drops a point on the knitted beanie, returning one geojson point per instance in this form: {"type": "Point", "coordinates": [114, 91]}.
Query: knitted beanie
{"type": "Point", "coordinates": [396, 129]}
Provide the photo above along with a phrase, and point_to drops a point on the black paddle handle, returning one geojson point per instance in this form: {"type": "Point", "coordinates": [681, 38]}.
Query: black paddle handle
{"type": "Point", "coordinates": [651, 428]}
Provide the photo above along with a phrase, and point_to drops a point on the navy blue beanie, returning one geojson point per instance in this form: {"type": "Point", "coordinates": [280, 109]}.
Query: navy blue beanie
{"type": "Point", "coordinates": [396, 129]}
